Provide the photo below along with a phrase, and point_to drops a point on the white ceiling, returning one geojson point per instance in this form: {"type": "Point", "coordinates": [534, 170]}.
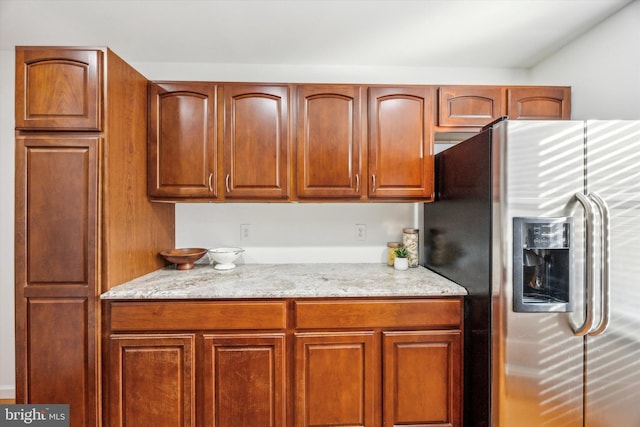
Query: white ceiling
{"type": "Point", "coordinates": [414, 33]}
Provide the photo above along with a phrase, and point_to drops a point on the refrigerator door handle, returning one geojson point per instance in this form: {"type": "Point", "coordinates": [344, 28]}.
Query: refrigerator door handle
{"type": "Point", "coordinates": [590, 300]}
{"type": "Point", "coordinates": [605, 290]}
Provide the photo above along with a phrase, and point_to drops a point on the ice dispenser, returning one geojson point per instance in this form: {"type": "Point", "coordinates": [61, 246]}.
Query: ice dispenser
{"type": "Point", "coordinates": [542, 267]}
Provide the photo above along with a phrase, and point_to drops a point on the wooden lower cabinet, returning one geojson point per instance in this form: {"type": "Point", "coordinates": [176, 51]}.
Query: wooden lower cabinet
{"type": "Point", "coordinates": [422, 379]}
{"type": "Point", "coordinates": [376, 362]}
{"type": "Point", "coordinates": [244, 380]}
{"type": "Point", "coordinates": [152, 380]}
{"type": "Point", "coordinates": [335, 379]}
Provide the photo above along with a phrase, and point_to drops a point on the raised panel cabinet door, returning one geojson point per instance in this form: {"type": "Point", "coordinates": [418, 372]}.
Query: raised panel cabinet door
{"type": "Point", "coordinates": [56, 210]}
{"type": "Point", "coordinates": [60, 341]}
{"type": "Point", "coordinates": [59, 88]}
{"type": "Point", "coordinates": [401, 142]}
{"type": "Point", "coordinates": [539, 103]}
{"type": "Point", "coordinates": [182, 148]}
{"type": "Point", "coordinates": [335, 379]}
{"type": "Point", "coordinates": [256, 141]}
{"type": "Point", "coordinates": [469, 106]}
{"type": "Point", "coordinates": [56, 273]}
{"type": "Point", "coordinates": [329, 141]}
{"type": "Point", "coordinates": [244, 380]}
{"type": "Point", "coordinates": [151, 380]}
{"type": "Point", "coordinates": [422, 378]}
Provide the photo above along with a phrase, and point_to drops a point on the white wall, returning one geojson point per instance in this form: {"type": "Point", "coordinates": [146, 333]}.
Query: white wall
{"type": "Point", "coordinates": [296, 232]}
{"type": "Point", "coordinates": [603, 68]}
{"type": "Point", "coordinates": [311, 232]}
{"type": "Point", "coordinates": [7, 72]}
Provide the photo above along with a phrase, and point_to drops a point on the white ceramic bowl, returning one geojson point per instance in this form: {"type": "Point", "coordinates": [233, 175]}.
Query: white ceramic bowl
{"type": "Point", "coordinates": [224, 257]}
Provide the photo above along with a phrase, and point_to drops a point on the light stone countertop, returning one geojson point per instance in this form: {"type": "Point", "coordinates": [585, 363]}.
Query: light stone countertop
{"type": "Point", "coordinates": [286, 281]}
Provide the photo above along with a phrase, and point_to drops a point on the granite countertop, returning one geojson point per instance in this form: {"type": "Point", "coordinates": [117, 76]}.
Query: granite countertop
{"type": "Point", "coordinates": [286, 281]}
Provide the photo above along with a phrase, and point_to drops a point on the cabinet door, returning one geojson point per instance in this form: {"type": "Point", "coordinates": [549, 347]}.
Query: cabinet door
{"type": "Point", "coordinates": [335, 380]}
{"type": "Point", "coordinates": [469, 106]}
{"type": "Point", "coordinates": [59, 89]}
{"type": "Point", "coordinates": [539, 103]}
{"type": "Point", "coordinates": [401, 142]}
{"type": "Point", "coordinates": [56, 273]}
{"type": "Point", "coordinates": [422, 378]}
{"type": "Point", "coordinates": [151, 380]}
{"type": "Point", "coordinates": [256, 142]}
{"type": "Point", "coordinates": [328, 141]}
{"type": "Point", "coordinates": [244, 380]}
{"type": "Point", "coordinates": [182, 151]}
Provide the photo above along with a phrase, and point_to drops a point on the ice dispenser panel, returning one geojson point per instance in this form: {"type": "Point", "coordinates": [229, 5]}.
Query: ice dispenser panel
{"type": "Point", "coordinates": [542, 265]}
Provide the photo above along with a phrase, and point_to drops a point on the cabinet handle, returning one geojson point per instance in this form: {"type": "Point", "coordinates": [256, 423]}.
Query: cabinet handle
{"type": "Point", "coordinates": [226, 182]}
{"type": "Point", "coordinates": [210, 181]}
{"type": "Point", "coordinates": [357, 183]}
{"type": "Point", "coordinates": [373, 181]}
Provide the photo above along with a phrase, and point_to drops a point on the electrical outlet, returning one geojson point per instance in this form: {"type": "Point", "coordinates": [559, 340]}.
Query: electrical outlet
{"type": "Point", "coordinates": [361, 232]}
{"type": "Point", "coordinates": [245, 231]}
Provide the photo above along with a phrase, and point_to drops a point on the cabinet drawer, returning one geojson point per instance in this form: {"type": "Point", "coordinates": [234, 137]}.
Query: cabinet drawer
{"type": "Point", "coordinates": [196, 315]}
{"type": "Point", "coordinates": [424, 313]}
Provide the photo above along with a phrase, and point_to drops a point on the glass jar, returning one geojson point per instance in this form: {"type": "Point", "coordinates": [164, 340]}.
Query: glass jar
{"type": "Point", "coordinates": [392, 251]}
{"type": "Point", "coordinates": [410, 241]}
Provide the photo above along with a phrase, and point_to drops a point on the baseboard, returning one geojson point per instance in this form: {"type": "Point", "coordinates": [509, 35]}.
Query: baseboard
{"type": "Point", "coordinates": [7, 393]}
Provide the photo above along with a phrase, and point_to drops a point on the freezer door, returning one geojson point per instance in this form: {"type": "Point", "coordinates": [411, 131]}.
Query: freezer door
{"type": "Point", "coordinates": [613, 358]}
{"type": "Point", "coordinates": [537, 359]}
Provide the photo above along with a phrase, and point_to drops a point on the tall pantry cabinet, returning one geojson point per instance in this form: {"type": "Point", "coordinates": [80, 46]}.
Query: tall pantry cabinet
{"type": "Point", "coordinates": [83, 220]}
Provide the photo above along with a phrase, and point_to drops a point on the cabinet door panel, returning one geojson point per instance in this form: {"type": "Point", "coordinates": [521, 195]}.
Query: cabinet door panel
{"type": "Point", "coordinates": [59, 89]}
{"type": "Point", "coordinates": [335, 379]}
{"type": "Point", "coordinates": [182, 140]}
{"type": "Point", "coordinates": [401, 142]}
{"type": "Point", "coordinates": [422, 378]}
{"type": "Point", "coordinates": [244, 380]}
{"type": "Point", "coordinates": [329, 147]}
{"type": "Point", "coordinates": [152, 380]}
{"type": "Point", "coordinates": [59, 349]}
{"type": "Point", "coordinates": [469, 106]}
{"type": "Point", "coordinates": [539, 103]}
{"type": "Point", "coordinates": [256, 142]}
{"type": "Point", "coordinates": [57, 204]}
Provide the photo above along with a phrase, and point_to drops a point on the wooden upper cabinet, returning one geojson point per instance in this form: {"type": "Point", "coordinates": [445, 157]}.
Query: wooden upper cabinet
{"type": "Point", "coordinates": [59, 89]}
{"type": "Point", "coordinates": [469, 106]}
{"type": "Point", "coordinates": [475, 106]}
{"type": "Point", "coordinates": [182, 151]}
{"type": "Point", "coordinates": [329, 141]}
{"type": "Point", "coordinates": [539, 103]}
{"type": "Point", "coordinates": [401, 142]}
{"type": "Point", "coordinates": [256, 141]}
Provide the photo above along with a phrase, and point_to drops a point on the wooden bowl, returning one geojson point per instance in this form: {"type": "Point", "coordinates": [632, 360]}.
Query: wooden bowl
{"type": "Point", "coordinates": [183, 257]}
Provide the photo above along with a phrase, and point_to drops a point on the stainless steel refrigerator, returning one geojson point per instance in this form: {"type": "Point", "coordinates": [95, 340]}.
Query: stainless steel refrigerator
{"type": "Point", "coordinates": [540, 221]}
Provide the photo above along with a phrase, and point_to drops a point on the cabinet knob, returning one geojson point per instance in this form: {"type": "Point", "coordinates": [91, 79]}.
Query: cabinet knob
{"type": "Point", "coordinates": [226, 182]}
{"type": "Point", "coordinates": [357, 183]}
{"type": "Point", "coordinates": [373, 182]}
{"type": "Point", "coordinates": [210, 182]}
